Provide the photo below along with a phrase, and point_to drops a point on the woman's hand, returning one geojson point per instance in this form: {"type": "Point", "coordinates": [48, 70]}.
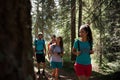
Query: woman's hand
{"type": "Point", "coordinates": [75, 52]}
{"type": "Point", "coordinates": [91, 52]}
{"type": "Point", "coordinates": [78, 53]}
{"type": "Point", "coordinates": [61, 54]}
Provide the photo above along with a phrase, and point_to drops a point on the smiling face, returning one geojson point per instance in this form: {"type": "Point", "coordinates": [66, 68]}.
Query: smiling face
{"type": "Point", "coordinates": [53, 39]}
{"type": "Point", "coordinates": [58, 40]}
{"type": "Point", "coordinates": [40, 36]}
{"type": "Point", "coordinates": [83, 32]}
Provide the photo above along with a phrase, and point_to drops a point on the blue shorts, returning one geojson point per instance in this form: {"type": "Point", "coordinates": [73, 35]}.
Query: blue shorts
{"type": "Point", "coordinates": [56, 64]}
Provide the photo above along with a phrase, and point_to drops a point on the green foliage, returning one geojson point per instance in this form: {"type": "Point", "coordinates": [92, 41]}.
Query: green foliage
{"type": "Point", "coordinates": [54, 18]}
{"type": "Point", "coordinates": [105, 23]}
{"type": "Point", "coordinates": [67, 63]}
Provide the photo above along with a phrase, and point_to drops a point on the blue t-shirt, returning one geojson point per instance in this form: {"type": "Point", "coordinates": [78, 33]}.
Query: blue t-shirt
{"type": "Point", "coordinates": [84, 57]}
{"type": "Point", "coordinates": [39, 46]}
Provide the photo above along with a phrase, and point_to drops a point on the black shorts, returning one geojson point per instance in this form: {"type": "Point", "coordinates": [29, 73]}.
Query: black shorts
{"type": "Point", "coordinates": [40, 58]}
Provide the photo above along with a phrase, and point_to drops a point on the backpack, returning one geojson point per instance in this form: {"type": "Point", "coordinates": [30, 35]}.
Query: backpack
{"type": "Point", "coordinates": [78, 45]}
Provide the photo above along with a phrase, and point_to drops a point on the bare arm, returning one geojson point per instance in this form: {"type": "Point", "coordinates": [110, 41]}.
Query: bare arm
{"type": "Point", "coordinates": [45, 49]}
{"type": "Point", "coordinates": [91, 52]}
{"type": "Point", "coordinates": [75, 52]}
{"type": "Point", "coordinates": [34, 53]}
{"type": "Point", "coordinates": [49, 52]}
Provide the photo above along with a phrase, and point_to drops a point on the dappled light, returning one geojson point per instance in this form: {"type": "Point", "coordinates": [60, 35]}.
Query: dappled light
{"type": "Point", "coordinates": [60, 39]}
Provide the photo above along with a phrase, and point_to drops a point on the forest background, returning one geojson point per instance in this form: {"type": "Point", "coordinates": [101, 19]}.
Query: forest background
{"type": "Point", "coordinates": [64, 17]}
{"type": "Point", "coordinates": [21, 20]}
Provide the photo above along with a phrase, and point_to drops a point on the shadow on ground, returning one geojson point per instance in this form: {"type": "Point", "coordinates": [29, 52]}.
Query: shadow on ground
{"type": "Point", "coordinates": [67, 73]}
{"type": "Point", "coordinates": [96, 75]}
{"type": "Point", "coordinates": [99, 76]}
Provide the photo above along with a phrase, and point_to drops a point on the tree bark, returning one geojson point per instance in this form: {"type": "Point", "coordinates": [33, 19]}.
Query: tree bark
{"type": "Point", "coordinates": [73, 25]}
{"type": "Point", "coordinates": [80, 15]}
{"type": "Point", "coordinates": [16, 40]}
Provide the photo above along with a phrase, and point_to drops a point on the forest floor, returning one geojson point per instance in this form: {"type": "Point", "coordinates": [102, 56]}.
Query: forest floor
{"type": "Point", "coordinates": [67, 73]}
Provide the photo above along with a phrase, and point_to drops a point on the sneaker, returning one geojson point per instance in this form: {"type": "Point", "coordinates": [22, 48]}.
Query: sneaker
{"type": "Point", "coordinates": [38, 72]}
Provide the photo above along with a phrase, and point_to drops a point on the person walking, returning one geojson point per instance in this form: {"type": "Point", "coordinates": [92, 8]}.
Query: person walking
{"type": "Point", "coordinates": [52, 42]}
{"type": "Point", "coordinates": [40, 52]}
{"type": "Point", "coordinates": [82, 48]}
{"type": "Point", "coordinates": [56, 52]}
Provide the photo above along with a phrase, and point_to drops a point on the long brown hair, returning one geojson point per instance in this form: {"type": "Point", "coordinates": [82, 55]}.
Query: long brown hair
{"type": "Point", "coordinates": [61, 42]}
{"type": "Point", "coordinates": [86, 27]}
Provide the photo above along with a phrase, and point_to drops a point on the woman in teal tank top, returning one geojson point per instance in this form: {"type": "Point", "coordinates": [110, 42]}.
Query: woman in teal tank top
{"type": "Point", "coordinates": [82, 48]}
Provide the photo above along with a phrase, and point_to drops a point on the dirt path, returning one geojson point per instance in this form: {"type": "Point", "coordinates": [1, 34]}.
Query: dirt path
{"type": "Point", "coordinates": [67, 73]}
{"type": "Point", "coordinates": [63, 75]}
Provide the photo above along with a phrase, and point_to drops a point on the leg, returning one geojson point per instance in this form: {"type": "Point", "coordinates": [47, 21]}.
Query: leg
{"type": "Point", "coordinates": [53, 73]}
{"type": "Point", "coordinates": [88, 71]}
{"type": "Point", "coordinates": [38, 66]}
{"type": "Point", "coordinates": [44, 65]}
{"type": "Point", "coordinates": [53, 66]}
{"type": "Point", "coordinates": [80, 72]}
{"type": "Point", "coordinates": [82, 77]}
{"type": "Point", "coordinates": [38, 63]}
{"type": "Point", "coordinates": [56, 73]}
{"type": "Point", "coordinates": [87, 78]}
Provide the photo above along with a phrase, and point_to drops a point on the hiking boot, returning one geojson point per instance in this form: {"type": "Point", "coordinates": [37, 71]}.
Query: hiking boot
{"type": "Point", "coordinates": [38, 72]}
{"type": "Point", "coordinates": [43, 73]}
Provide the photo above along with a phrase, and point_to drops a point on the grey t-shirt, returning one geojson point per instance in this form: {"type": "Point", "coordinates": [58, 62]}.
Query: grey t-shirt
{"type": "Point", "coordinates": [55, 56]}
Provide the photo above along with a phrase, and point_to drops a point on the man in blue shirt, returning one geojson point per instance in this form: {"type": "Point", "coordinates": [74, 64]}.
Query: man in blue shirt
{"type": "Point", "coordinates": [40, 50]}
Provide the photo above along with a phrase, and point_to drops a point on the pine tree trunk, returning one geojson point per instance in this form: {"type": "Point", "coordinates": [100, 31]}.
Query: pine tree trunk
{"type": "Point", "coordinates": [80, 15]}
{"type": "Point", "coordinates": [73, 26]}
{"type": "Point", "coordinates": [15, 40]}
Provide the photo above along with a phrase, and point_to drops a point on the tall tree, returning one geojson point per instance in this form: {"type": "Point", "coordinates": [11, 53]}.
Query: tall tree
{"type": "Point", "coordinates": [37, 23]}
{"type": "Point", "coordinates": [15, 40]}
{"type": "Point", "coordinates": [97, 16]}
{"type": "Point", "coordinates": [80, 15]}
{"type": "Point", "coordinates": [45, 16]}
{"type": "Point", "coordinates": [105, 20]}
{"type": "Point", "coordinates": [73, 25]}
